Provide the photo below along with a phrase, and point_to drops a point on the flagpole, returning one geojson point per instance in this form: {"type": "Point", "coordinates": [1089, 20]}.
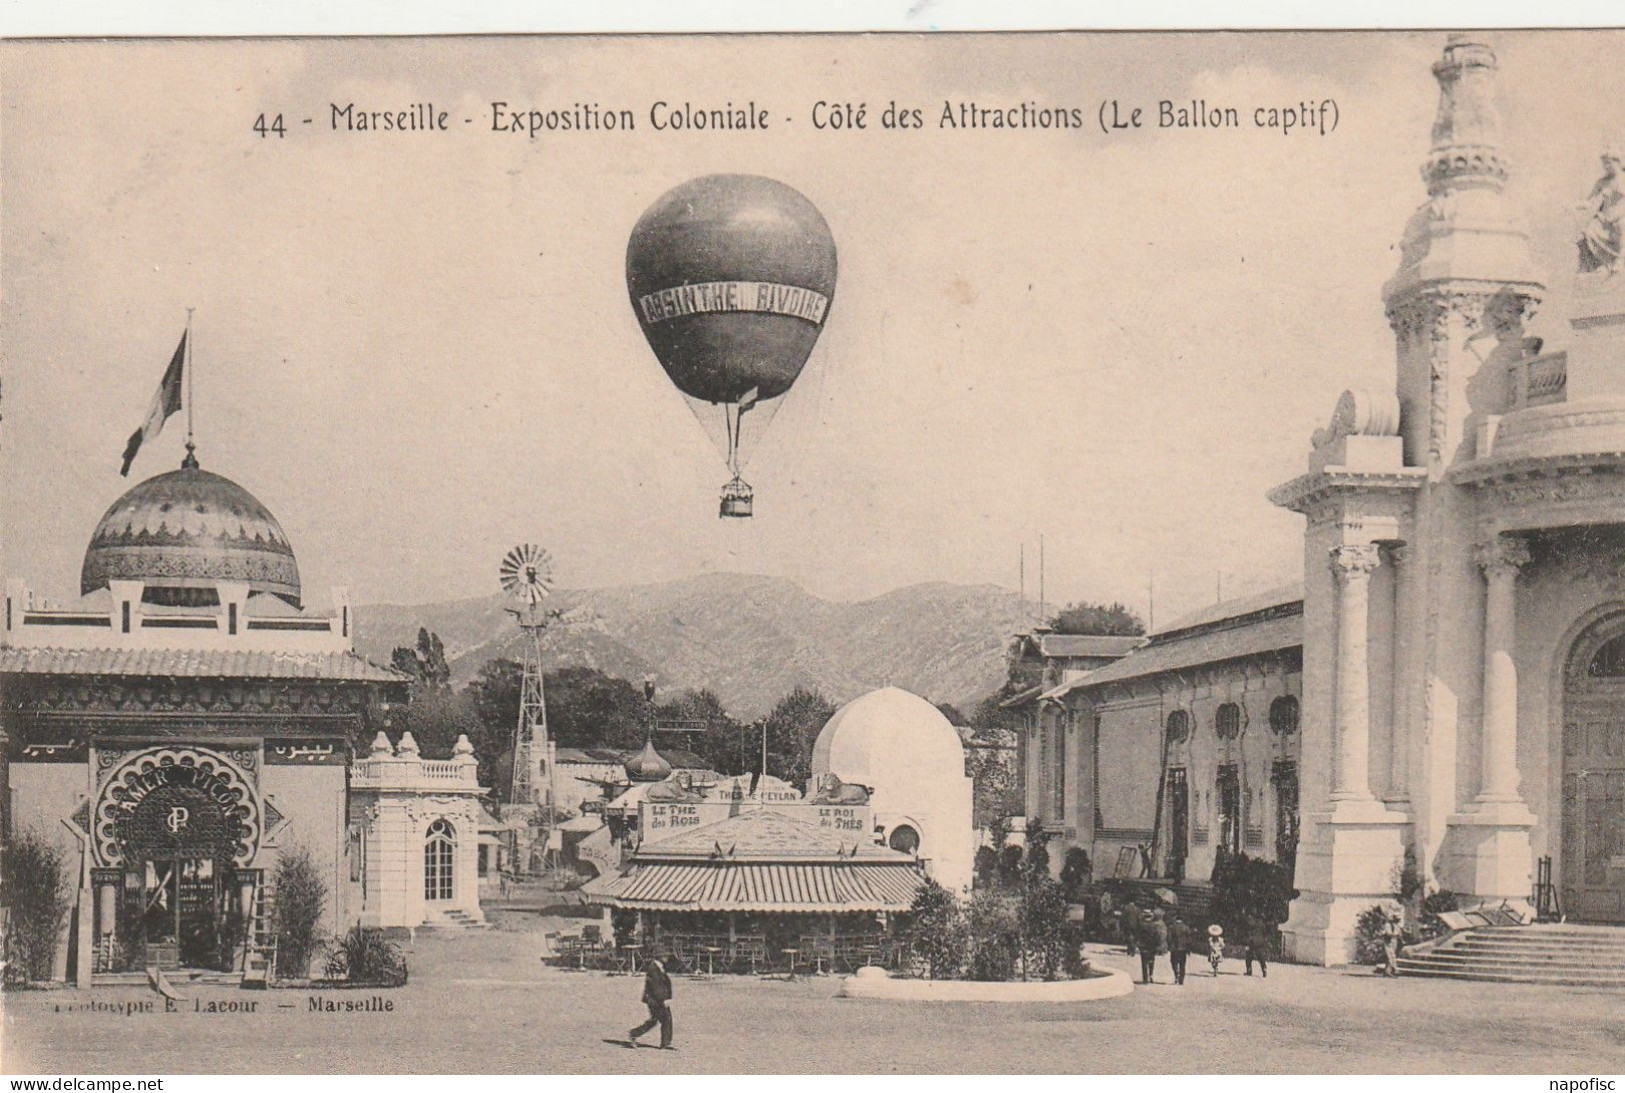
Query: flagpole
{"type": "Point", "coordinates": [191, 448]}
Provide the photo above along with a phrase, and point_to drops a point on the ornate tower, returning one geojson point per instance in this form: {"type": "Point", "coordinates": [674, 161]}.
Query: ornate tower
{"type": "Point", "coordinates": [1394, 572]}
{"type": "Point", "coordinates": [1458, 303]}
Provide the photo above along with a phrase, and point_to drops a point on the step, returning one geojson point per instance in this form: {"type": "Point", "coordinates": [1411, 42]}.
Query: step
{"type": "Point", "coordinates": [1600, 952]}
{"type": "Point", "coordinates": [1445, 960]}
{"type": "Point", "coordinates": [1558, 980]}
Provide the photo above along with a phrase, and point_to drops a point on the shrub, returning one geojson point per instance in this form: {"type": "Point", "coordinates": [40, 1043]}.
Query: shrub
{"type": "Point", "coordinates": [301, 894]}
{"type": "Point", "coordinates": [995, 932]}
{"type": "Point", "coordinates": [1368, 927]}
{"type": "Point", "coordinates": [1428, 924]}
{"type": "Point", "coordinates": [1075, 873]}
{"type": "Point", "coordinates": [937, 931]}
{"type": "Point", "coordinates": [365, 955]}
{"type": "Point", "coordinates": [1043, 928]}
{"type": "Point", "coordinates": [987, 866]}
{"type": "Point", "coordinates": [1244, 886]}
{"type": "Point", "coordinates": [1010, 864]}
{"type": "Point", "coordinates": [36, 896]}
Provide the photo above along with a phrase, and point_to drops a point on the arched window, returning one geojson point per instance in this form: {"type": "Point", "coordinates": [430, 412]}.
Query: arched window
{"type": "Point", "coordinates": [1284, 716]}
{"type": "Point", "coordinates": [905, 839]}
{"type": "Point", "coordinates": [437, 861]}
{"type": "Point", "coordinates": [1227, 721]}
{"type": "Point", "coordinates": [1609, 661]}
{"type": "Point", "coordinates": [1178, 726]}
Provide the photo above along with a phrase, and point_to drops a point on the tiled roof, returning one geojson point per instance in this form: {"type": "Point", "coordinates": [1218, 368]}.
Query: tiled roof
{"type": "Point", "coordinates": [1086, 645]}
{"type": "Point", "coordinates": [206, 663]}
{"type": "Point", "coordinates": [740, 886]}
{"type": "Point", "coordinates": [679, 759]}
{"type": "Point", "coordinates": [1231, 643]}
{"type": "Point", "coordinates": [1236, 608]}
{"type": "Point", "coordinates": [767, 834]}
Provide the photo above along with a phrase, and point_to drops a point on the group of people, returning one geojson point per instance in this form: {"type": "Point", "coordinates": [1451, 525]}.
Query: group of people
{"type": "Point", "coordinates": [1155, 931]}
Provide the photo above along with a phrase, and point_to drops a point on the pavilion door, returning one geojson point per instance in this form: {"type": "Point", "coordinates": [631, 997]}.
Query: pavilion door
{"type": "Point", "coordinates": [1593, 874]}
{"type": "Point", "coordinates": [1179, 822]}
{"type": "Point", "coordinates": [181, 912]}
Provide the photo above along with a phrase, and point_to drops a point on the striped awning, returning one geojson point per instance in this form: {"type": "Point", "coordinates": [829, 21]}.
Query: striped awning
{"type": "Point", "coordinates": [760, 886]}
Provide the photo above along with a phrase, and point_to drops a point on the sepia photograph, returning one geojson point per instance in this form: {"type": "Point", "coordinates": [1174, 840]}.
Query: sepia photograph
{"type": "Point", "coordinates": [1085, 552]}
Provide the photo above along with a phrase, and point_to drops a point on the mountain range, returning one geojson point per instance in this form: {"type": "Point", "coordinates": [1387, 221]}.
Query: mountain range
{"type": "Point", "coordinates": [749, 639]}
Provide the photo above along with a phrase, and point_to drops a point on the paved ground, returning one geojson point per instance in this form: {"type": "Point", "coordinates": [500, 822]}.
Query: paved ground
{"type": "Point", "coordinates": [485, 1003]}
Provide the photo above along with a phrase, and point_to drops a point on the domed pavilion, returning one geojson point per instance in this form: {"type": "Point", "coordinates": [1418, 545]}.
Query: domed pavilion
{"type": "Point", "coordinates": [184, 721]}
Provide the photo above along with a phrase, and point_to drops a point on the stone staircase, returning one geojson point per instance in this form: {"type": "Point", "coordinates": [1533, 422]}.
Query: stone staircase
{"type": "Point", "coordinates": [453, 921]}
{"type": "Point", "coordinates": [1554, 954]}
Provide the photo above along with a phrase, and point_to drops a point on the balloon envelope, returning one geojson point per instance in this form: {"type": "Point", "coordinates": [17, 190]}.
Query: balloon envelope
{"type": "Point", "coordinates": [731, 277]}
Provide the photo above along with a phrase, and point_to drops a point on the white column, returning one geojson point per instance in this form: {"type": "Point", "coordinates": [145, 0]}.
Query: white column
{"type": "Point", "coordinates": [1500, 558]}
{"type": "Point", "coordinates": [1400, 673]}
{"type": "Point", "coordinates": [1353, 565]}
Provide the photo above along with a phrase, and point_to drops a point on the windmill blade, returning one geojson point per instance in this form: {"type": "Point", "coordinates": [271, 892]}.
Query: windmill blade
{"type": "Point", "coordinates": [526, 573]}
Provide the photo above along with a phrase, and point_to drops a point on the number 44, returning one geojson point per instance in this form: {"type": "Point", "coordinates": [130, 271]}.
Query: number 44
{"type": "Point", "coordinates": [266, 128]}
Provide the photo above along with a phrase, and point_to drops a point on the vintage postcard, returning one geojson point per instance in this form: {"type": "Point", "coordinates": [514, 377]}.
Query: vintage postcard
{"type": "Point", "coordinates": [814, 553]}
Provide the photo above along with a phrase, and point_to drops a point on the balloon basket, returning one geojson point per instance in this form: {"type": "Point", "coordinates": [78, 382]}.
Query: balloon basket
{"type": "Point", "coordinates": [736, 501]}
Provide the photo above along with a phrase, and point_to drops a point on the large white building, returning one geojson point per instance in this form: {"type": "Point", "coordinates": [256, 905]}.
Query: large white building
{"type": "Point", "coordinates": [1451, 678]}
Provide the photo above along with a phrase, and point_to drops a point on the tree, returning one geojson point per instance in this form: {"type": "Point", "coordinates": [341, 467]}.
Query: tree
{"type": "Point", "coordinates": [494, 696]}
{"type": "Point", "coordinates": [719, 741]}
{"type": "Point", "coordinates": [951, 712]}
{"type": "Point", "coordinates": [35, 878]}
{"type": "Point", "coordinates": [301, 895]}
{"type": "Point", "coordinates": [792, 729]}
{"type": "Point", "coordinates": [424, 662]}
{"type": "Point", "coordinates": [1109, 620]}
{"type": "Point", "coordinates": [436, 718]}
{"type": "Point", "coordinates": [937, 930]}
{"type": "Point", "coordinates": [588, 709]}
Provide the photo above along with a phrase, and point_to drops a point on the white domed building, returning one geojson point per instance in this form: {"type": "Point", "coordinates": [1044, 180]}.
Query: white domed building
{"type": "Point", "coordinates": [901, 747]}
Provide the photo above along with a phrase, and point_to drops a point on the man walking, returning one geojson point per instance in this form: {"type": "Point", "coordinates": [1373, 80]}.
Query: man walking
{"type": "Point", "coordinates": [1179, 947]}
{"type": "Point", "coordinates": [1391, 935]}
{"type": "Point", "coordinates": [1257, 936]}
{"type": "Point", "coordinates": [1131, 926]}
{"type": "Point", "coordinates": [657, 996]}
{"type": "Point", "coordinates": [1153, 940]}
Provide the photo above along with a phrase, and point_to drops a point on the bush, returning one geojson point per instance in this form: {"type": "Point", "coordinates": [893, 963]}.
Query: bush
{"type": "Point", "coordinates": [1368, 928]}
{"type": "Point", "coordinates": [1250, 887]}
{"type": "Point", "coordinates": [1075, 873]}
{"type": "Point", "coordinates": [1010, 864]}
{"type": "Point", "coordinates": [366, 956]}
{"type": "Point", "coordinates": [1044, 932]}
{"type": "Point", "coordinates": [1428, 924]}
{"type": "Point", "coordinates": [937, 932]}
{"type": "Point", "coordinates": [36, 898]}
{"type": "Point", "coordinates": [995, 931]}
{"type": "Point", "coordinates": [301, 894]}
{"type": "Point", "coordinates": [987, 866]}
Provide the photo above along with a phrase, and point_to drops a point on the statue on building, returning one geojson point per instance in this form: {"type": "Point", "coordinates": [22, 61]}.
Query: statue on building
{"type": "Point", "coordinates": [833, 791]}
{"type": "Point", "coordinates": [1600, 238]}
{"type": "Point", "coordinates": [678, 787]}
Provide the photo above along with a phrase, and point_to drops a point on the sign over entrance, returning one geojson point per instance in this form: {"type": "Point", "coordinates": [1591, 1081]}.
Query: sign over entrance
{"type": "Point", "coordinates": [177, 802]}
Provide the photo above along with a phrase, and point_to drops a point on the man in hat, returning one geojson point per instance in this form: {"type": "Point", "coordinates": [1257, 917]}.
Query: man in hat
{"type": "Point", "coordinates": [1131, 926]}
{"type": "Point", "coordinates": [1179, 947]}
{"type": "Point", "coordinates": [657, 996]}
{"type": "Point", "coordinates": [1257, 937]}
{"type": "Point", "coordinates": [1153, 940]}
{"type": "Point", "coordinates": [1391, 935]}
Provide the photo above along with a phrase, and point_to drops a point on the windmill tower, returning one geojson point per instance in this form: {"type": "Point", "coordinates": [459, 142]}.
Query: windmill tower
{"type": "Point", "coordinates": [527, 576]}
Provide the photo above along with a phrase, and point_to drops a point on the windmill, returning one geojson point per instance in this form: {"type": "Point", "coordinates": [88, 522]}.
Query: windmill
{"type": "Point", "coordinates": [527, 576]}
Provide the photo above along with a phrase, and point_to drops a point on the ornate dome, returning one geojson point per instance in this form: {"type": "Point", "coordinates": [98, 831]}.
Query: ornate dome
{"type": "Point", "coordinates": [890, 737]}
{"type": "Point", "coordinates": [183, 532]}
{"type": "Point", "coordinates": [648, 765]}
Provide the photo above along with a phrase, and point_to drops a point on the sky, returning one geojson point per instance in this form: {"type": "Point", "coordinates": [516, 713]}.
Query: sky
{"type": "Point", "coordinates": [417, 349]}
